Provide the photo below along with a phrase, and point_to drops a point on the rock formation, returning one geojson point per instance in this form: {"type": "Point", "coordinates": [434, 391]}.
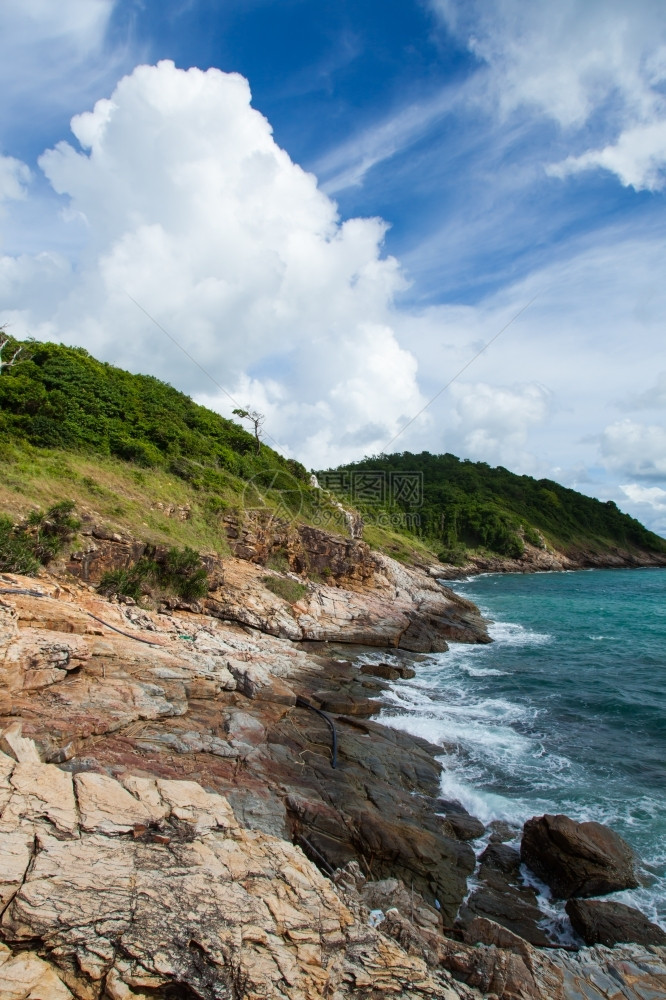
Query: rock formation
{"type": "Point", "coordinates": [600, 921]}
{"type": "Point", "coordinates": [577, 859]}
{"type": "Point", "coordinates": [172, 827]}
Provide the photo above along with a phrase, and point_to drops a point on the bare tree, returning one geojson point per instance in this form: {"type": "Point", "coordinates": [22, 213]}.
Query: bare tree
{"type": "Point", "coordinates": [18, 355]}
{"type": "Point", "coordinates": [255, 418]}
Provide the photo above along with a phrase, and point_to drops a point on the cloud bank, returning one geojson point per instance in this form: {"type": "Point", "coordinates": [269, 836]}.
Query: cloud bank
{"type": "Point", "coordinates": [188, 205]}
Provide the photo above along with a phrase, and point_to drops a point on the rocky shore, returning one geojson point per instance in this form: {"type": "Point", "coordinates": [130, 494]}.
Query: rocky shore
{"type": "Point", "coordinates": [177, 822]}
{"type": "Point", "coordinates": [548, 560]}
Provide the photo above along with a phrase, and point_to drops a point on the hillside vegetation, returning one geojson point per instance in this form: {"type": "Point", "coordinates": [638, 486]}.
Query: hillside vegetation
{"type": "Point", "coordinates": [145, 459]}
{"type": "Point", "coordinates": [455, 505]}
{"type": "Point", "coordinates": [134, 450]}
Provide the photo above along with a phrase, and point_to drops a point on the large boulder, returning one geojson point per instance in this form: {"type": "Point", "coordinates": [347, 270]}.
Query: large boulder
{"type": "Point", "coordinates": [577, 859]}
{"type": "Point", "coordinates": [601, 922]}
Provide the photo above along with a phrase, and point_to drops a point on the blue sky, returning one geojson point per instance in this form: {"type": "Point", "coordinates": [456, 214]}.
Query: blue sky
{"type": "Point", "coordinates": [402, 182]}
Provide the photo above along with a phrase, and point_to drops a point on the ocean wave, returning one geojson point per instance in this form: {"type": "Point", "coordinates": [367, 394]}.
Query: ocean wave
{"type": "Point", "coordinates": [481, 672]}
{"type": "Point", "coordinates": [512, 634]}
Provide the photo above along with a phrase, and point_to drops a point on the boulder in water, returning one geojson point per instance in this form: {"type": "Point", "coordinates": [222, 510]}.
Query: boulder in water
{"type": "Point", "coordinates": [577, 859]}
{"type": "Point", "coordinates": [599, 921]}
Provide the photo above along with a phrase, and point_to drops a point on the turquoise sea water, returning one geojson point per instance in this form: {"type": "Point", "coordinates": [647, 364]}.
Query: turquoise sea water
{"type": "Point", "coordinates": [564, 712]}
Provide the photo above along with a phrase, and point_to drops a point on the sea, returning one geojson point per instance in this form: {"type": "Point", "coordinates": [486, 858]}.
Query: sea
{"type": "Point", "coordinates": [565, 712]}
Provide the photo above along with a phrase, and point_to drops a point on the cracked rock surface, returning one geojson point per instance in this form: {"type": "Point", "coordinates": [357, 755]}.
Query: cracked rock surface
{"type": "Point", "coordinates": [136, 886]}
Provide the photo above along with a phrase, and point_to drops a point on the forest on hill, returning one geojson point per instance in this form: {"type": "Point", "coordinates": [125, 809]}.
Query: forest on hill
{"type": "Point", "coordinates": [457, 504]}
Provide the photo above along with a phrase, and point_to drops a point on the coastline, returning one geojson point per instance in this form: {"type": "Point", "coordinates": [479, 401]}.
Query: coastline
{"type": "Point", "coordinates": [215, 702]}
{"type": "Point", "coordinates": [546, 560]}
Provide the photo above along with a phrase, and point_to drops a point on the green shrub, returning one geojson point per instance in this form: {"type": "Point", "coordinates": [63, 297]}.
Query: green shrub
{"type": "Point", "coordinates": [279, 561]}
{"type": "Point", "coordinates": [176, 571]}
{"type": "Point", "coordinates": [182, 571]}
{"type": "Point", "coordinates": [532, 536]}
{"type": "Point", "coordinates": [455, 555]}
{"type": "Point", "coordinates": [289, 590]}
{"type": "Point", "coordinates": [36, 540]}
{"type": "Point", "coordinates": [16, 553]}
{"type": "Point", "coordinates": [124, 582]}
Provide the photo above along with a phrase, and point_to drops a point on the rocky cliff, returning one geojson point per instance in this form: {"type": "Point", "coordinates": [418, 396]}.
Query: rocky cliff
{"type": "Point", "coordinates": [171, 822]}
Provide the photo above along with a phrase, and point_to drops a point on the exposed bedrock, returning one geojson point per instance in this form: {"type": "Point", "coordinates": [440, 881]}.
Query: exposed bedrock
{"type": "Point", "coordinates": [502, 897]}
{"type": "Point", "coordinates": [185, 834]}
{"type": "Point", "coordinates": [353, 595]}
{"type": "Point", "coordinates": [577, 859]}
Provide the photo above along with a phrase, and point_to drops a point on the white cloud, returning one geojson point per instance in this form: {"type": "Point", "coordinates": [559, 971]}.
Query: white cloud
{"type": "Point", "coordinates": [193, 210]}
{"type": "Point", "coordinates": [638, 158]}
{"type": "Point", "coordinates": [653, 496]}
{"type": "Point", "coordinates": [635, 449]}
{"type": "Point", "coordinates": [646, 503]}
{"type": "Point", "coordinates": [494, 421]}
{"type": "Point", "coordinates": [653, 398]}
{"type": "Point", "coordinates": [14, 178]}
{"type": "Point", "coordinates": [594, 66]}
{"type": "Point", "coordinates": [346, 165]}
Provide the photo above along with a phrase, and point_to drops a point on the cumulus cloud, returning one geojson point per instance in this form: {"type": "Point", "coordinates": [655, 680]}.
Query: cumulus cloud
{"type": "Point", "coordinates": [638, 158]}
{"type": "Point", "coordinates": [635, 449]}
{"type": "Point", "coordinates": [193, 210]}
{"type": "Point", "coordinates": [594, 66]}
{"type": "Point", "coordinates": [654, 496]}
{"type": "Point", "coordinates": [647, 503]}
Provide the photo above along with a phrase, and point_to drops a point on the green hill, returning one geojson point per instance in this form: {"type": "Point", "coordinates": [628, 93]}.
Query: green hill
{"type": "Point", "coordinates": [454, 505]}
{"type": "Point", "coordinates": [130, 448]}
{"type": "Point", "coordinates": [137, 454]}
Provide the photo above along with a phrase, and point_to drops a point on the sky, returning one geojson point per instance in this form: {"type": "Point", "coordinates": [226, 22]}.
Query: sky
{"type": "Point", "coordinates": [429, 224]}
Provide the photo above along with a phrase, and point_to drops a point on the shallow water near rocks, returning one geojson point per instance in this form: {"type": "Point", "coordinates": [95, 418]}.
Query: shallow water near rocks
{"type": "Point", "coordinates": [564, 712]}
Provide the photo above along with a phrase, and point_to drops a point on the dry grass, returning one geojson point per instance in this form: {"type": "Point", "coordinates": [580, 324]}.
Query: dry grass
{"type": "Point", "coordinates": [116, 494]}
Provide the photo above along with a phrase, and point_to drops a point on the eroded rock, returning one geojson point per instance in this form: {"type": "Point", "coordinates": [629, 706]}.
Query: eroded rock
{"type": "Point", "coordinates": [220, 913]}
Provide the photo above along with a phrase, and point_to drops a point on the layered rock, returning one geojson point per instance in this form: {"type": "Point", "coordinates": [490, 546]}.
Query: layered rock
{"type": "Point", "coordinates": [171, 846]}
{"type": "Point", "coordinates": [186, 695]}
{"type": "Point", "coordinates": [502, 896]}
{"type": "Point", "coordinates": [353, 595]}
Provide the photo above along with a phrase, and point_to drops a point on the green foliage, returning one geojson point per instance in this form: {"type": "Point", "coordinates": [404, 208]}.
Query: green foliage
{"type": "Point", "coordinates": [456, 555]}
{"type": "Point", "coordinates": [289, 590]}
{"type": "Point", "coordinates": [34, 542]}
{"type": "Point", "coordinates": [123, 582]}
{"type": "Point", "coordinates": [173, 571]}
{"type": "Point", "coordinates": [16, 554]}
{"type": "Point", "coordinates": [279, 561]}
{"type": "Point", "coordinates": [61, 397]}
{"type": "Point", "coordinates": [468, 504]}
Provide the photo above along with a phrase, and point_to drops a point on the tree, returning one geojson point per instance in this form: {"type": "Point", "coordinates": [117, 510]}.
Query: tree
{"type": "Point", "coordinates": [18, 355]}
{"type": "Point", "coordinates": [255, 418]}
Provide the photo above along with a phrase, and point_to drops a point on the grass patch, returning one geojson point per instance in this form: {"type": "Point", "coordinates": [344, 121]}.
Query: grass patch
{"type": "Point", "coordinates": [278, 561]}
{"type": "Point", "coordinates": [289, 590]}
